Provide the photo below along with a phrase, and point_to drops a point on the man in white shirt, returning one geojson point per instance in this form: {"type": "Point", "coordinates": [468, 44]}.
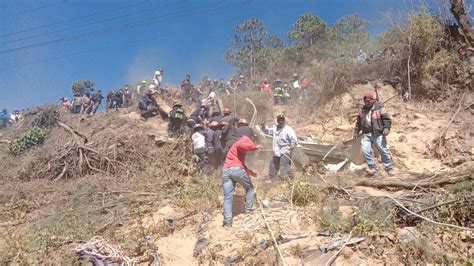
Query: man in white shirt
{"type": "Point", "coordinates": [200, 147]}
{"type": "Point", "coordinates": [284, 141]}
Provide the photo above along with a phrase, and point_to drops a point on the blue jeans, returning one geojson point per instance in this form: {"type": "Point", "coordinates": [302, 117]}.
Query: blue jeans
{"type": "Point", "coordinates": [380, 142]}
{"type": "Point", "coordinates": [231, 176]}
{"type": "Point", "coordinates": [282, 162]}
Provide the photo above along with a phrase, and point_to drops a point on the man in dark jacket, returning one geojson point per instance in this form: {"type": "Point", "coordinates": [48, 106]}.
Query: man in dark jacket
{"type": "Point", "coordinates": [243, 129]}
{"type": "Point", "coordinates": [177, 120]}
{"type": "Point", "coordinates": [375, 124]}
{"type": "Point", "coordinates": [216, 156]}
{"type": "Point", "coordinates": [117, 99]}
{"type": "Point", "coordinates": [148, 105]}
{"type": "Point", "coordinates": [199, 116]}
{"type": "Point", "coordinates": [229, 136]}
{"type": "Point", "coordinates": [96, 100]}
{"type": "Point", "coordinates": [110, 99]}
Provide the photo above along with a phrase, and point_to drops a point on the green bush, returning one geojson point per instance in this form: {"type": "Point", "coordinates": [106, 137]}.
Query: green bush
{"type": "Point", "coordinates": [32, 137]}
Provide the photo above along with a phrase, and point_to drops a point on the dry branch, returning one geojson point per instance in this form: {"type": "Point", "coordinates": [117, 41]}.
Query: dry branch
{"type": "Point", "coordinates": [73, 132]}
{"type": "Point", "coordinates": [403, 185]}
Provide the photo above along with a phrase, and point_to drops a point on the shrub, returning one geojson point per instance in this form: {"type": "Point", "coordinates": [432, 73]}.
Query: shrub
{"type": "Point", "coordinates": [32, 137]}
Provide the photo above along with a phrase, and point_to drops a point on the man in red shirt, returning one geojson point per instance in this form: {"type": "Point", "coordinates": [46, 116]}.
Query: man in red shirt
{"type": "Point", "coordinates": [235, 171]}
{"type": "Point", "coordinates": [265, 85]}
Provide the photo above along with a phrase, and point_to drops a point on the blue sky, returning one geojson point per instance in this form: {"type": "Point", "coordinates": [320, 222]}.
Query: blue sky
{"type": "Point", "coordinates": [41, 53]}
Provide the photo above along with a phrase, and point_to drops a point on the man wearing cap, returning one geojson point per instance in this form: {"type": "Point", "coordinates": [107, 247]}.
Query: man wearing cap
{"type": "Point", "coordinates": [243, 129]}
{"type": "Point", "coordinates": [284, 141]}
{"type": "Point", "coordinates": [375, 123]}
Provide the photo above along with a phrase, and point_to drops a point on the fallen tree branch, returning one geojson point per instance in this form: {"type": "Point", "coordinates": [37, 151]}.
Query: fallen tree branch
{"type": "Point", "coordinates": [403, 185]}
{"type": "Point", "coordinates": [277, 247]}
{"type": "Point", "coordinates": [426, 219]}
{"type": "Point", "coordinates": [6, 141]}
{"type": "Point", "coordinates": [73, 132]}
{"type": "Point", "coordinates": [439, 205]}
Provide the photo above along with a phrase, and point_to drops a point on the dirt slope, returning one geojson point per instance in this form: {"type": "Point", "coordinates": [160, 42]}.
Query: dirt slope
{"type": "Point", "coordinates": [45, 220]}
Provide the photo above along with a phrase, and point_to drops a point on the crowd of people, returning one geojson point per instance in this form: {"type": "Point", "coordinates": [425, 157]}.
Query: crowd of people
{"type": "Point", "coordinates": [220, 140]}
{"type": "Point", "coordinates": [7, 119]}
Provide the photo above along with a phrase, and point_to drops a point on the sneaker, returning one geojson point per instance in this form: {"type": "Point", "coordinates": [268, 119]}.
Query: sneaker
{"type": "Point", "coordinates": [227, 224]}
{"type": "Point", "coordinates": [390, 172]}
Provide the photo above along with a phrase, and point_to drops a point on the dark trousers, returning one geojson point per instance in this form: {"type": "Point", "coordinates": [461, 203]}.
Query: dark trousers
{"type": "Point", "coordinates": [282, 162]}
{"type": "Point", "coordinates": [148, 113]}
{"type": "Point", "coordinates": [216, 158]}
{"type": "Point", "coordinates": [175, 127]}
{"type": "Point", "coordinates": [203, 162]}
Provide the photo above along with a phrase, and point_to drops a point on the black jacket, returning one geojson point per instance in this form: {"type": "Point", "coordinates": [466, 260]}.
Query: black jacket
{"type": "Point", "coordinates": [380, 119]}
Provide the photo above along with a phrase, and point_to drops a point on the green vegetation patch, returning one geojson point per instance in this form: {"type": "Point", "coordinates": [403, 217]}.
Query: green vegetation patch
{"type": "Point", "coordinates": [32, 137]}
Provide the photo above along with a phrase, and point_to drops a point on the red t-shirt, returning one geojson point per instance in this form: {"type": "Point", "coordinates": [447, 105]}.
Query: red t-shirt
{"type": "Point", "coordinates": [265, 86]}
{"type": "Point", "coordinates": [236, 154]}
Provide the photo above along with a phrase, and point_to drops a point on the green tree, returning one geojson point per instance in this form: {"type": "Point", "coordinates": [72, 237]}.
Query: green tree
{"type": "Point", "coordinates": [307, 30]}
{"type": "Point", "coordinates": [79, 87]}
{"type": "Point", "coordinates": [247, 46]}
{"type": "Point", "coordinates": [348, 35]}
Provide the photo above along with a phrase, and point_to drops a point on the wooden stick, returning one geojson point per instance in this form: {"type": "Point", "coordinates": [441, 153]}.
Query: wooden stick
{"type": "Point", "coordinates": [333, 258]}
{"type": "Point", "coordinates": [270, 229]}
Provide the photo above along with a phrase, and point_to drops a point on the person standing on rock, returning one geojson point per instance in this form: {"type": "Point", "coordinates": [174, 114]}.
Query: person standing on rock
{"type": "Point", "coordinates": [284, 141]}
{"type": "Point", "coordinates": [375, 124]}
{"type": "Point", "coordinates": [235, 171]}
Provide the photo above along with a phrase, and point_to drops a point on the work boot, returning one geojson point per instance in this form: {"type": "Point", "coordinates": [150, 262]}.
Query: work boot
{"type": "Point", "coordinates": [389, 172]}
{"type": "Point", "coordinates": [372, 171]}
{"type": "Point", "coordinates": [248, 211]}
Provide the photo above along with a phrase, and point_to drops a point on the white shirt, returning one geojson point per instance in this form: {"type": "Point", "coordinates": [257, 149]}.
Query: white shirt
{"type": "Point", "coordinates": [199, 141]}
{"type": "Point", "coordinates": [211, 96]}
{"type": "Point", "coordinates": [296, 84]}
{"type": "Point", "coordinates": [282, 139]}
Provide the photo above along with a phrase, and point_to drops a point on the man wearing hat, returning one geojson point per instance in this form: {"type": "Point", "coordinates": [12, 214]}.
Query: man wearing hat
{"type": "Point", "coordinates": [284, 141]}
{"type": "Point", "coordinates": [243, 129]}
{"type": "Point", "coordinates": [375, 123]}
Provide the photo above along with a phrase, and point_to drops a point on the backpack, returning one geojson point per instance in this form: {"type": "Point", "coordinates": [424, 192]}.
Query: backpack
{"type": "Point", "coordinates": [178, 113]}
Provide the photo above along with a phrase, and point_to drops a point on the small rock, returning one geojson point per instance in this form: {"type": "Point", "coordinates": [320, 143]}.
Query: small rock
{"type": "Point", "coordinates": [347, 253]}
{"type": "Point", "coordinates": [344, 127]}
{"type": "Point", "coordinates": [407, 234]}
{"type": "Point", "coordinates": [420, 116]}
